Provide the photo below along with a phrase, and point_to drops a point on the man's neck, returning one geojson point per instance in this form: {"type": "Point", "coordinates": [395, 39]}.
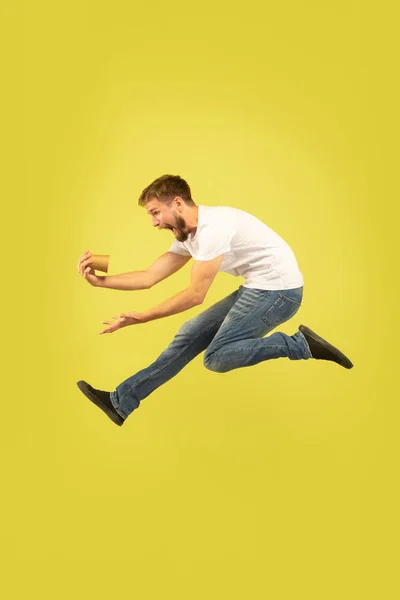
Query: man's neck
{"type": "Point", "coordinates": [192, 220]}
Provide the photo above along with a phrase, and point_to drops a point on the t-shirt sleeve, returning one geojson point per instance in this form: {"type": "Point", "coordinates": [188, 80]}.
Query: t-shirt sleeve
{"type": "Point", "coordinates": [178, 248]}
{"type": "Point", "coordinates": [214, 243]}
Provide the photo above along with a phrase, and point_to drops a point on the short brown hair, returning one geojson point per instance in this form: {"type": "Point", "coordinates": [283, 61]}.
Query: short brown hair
{"type": "Point", "coordinates": [166, 188]}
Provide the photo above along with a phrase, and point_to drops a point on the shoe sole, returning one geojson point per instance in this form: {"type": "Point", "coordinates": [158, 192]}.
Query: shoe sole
{"type": "Point", "coordinates": [83, 386]}
{"type": "Point", "coordinates": [343, 360]}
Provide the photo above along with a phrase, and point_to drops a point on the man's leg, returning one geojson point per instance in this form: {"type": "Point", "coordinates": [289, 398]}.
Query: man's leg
{"type": "Point", "coordinates": [193, 337]}
{"type": "Point", "coordinates": [240, 342]}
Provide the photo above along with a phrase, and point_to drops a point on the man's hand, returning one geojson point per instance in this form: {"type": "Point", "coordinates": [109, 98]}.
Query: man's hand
{"type": "Point", "coordinates": [85, 260]}
{"type": "Point", "coordinates": [124, 319]}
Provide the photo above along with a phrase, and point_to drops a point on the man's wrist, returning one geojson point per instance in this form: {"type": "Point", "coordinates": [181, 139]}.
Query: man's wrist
{"type": "Point", "coordinates": [100, 281]}
{"type": "Point", "coordinates": [145, 316]}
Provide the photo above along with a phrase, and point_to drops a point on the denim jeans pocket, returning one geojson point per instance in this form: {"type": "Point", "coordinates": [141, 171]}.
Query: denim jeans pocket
{"type": "Point", "coordinates": [295, 295]}
{"type": "Point", "coordinates": [285, 306]}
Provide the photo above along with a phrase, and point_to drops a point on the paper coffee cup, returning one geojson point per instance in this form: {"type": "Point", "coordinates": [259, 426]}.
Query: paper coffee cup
{"type": "Point", "coordinates": [100, 262]}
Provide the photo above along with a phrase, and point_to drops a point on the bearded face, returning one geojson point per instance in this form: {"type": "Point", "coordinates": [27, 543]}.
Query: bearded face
{"type": "Point", "coordinates": [166, 217]}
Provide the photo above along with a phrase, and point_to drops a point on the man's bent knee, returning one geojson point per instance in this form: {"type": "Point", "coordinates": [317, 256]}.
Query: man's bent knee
{"type": "Point", "coordinates": [212, 363]}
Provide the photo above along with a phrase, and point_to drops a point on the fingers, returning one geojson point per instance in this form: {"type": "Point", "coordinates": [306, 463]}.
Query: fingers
{"type": "Point", "coordinates": [84, 260]}
{"type": "Point", "coordinates": [113, 326]}
{"type": "Point", "coordinates": [111, 323]}
{"type": "Point", "coordinates": [108, 329]}
{"type": "Point", "coordinates": [87, 271]}
{"type": "Point", "coordinates": [84, 256]}
{"type": "Point", "coordinates": [85, 267]}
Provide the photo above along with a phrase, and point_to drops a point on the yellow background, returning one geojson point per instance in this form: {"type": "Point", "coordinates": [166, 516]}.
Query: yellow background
{"type": "Point", "coordinates": [277, 481]}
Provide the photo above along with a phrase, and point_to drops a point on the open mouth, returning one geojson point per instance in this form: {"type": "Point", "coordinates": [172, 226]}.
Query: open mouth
{"type": "Point", "coordinates": [170, 228]}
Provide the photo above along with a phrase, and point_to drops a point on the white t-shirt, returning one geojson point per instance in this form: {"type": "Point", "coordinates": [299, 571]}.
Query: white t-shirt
{"type": "Point", "coordinates": [251, 249]}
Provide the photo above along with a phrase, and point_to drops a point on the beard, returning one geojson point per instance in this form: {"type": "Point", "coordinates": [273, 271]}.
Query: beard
{"type": "Point", "coordinates": [180, 229]}
{"type": "Point", "coordinates": [181, 233]}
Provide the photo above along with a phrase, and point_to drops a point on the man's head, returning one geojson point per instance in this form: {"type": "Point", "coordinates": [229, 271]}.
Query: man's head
{"type": "Point", "coordinates": [168, 200]}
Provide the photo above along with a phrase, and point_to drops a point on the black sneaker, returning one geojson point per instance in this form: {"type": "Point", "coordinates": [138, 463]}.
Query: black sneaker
{"type": "Point", "coordinates": [323, 350]}
{"type": "Point", "coordinates": [102, 400]}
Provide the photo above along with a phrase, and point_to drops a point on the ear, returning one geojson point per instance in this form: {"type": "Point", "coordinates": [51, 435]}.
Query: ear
{"type": "Point", "coordinates": [178, 202]}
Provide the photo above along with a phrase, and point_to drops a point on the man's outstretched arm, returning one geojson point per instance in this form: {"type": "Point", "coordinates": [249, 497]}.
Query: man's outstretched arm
{"type": "Point", "coordinates": [203, 274]}
{"type": "Point", "coordinates": [167, 264]}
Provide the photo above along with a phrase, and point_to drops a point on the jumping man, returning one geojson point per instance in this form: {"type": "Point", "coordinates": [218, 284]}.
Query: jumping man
{"type": "Point", "coordinates": [231, 332]}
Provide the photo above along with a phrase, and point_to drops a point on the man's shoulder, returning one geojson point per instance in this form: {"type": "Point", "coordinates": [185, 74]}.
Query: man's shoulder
{"type": "Point", "coordinates": [223, 209]}
{"type": "Point", "coordinates": [219, 211]}
{"type": "Point", "coordinates": [222, 218]}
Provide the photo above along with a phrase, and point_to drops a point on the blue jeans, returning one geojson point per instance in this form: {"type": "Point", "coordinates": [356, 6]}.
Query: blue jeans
{"type": "Point", "coordinates": [231, 333]}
